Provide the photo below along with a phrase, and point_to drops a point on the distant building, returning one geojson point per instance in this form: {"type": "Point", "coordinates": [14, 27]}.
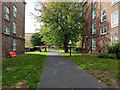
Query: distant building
{"type": "Point", "coordinates": [27, 39]}
{"type": "Point", "coordinates": [102, 25]}
{"type": "Point", "coordinates": [12, 28]}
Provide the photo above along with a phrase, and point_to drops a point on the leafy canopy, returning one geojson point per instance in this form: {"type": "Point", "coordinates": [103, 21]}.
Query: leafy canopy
{"type": "Point", "coordinates": [62, 21]}
{"type": "Point", "coordinates": [36, 39]}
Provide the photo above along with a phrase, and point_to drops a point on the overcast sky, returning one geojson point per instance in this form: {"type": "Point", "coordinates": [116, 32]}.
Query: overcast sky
{"type": "Point", "coordinates": [29, 20]}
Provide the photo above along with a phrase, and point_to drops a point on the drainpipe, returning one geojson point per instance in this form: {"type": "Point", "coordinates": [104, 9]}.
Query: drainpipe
{"type": "Point", "coordinates": [119, 22]}
{"type": "Point", "coordinates": [91, 23]}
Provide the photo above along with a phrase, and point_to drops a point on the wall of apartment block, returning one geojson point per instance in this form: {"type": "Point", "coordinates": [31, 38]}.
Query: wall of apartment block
{"type": "Point", "coordinates": [0, 31]}
{"type": "Point", "coordinates": [102, 41]}
{"type": "Point", "coordinates": [19, 37]}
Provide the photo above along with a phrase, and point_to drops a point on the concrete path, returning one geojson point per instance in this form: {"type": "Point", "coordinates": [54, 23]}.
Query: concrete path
{"type": "Point", "coordinates": [60, 72]}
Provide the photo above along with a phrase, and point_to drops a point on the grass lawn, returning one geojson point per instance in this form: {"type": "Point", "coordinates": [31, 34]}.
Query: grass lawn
{"type": "Point", "coordinates": [23, 71]}
{"type": "Point", "coordinates": [105, 70]}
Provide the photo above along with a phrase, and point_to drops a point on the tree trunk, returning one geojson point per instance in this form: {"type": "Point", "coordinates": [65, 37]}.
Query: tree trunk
{"type": "Point", "coordinates": [65, 44]}
{"type": "Point", "coordinates": [65, 48]}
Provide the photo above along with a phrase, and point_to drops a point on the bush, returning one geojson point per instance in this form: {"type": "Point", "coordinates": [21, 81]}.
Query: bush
{"type": "Point", "coordinates": [112, 56]}
{"type": "Point", "coordinates": [77, 49]}
{"type": "Point", "coordinates": [114, 49]}
{"type": "Point", "coordinates": [102, 55]}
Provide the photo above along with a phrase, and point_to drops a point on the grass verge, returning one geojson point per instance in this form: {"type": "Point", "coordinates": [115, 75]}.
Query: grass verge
{"type": "Point", "coordinates": [106, 70]}
{"type": "Point", "coordinates": [23, 71]}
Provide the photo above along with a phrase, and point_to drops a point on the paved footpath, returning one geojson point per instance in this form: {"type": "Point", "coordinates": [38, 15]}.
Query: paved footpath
{"type": "Point", "coordinates": [60, 72]}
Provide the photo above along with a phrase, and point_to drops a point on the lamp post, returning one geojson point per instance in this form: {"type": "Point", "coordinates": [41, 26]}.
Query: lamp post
{"type": "Point", "coordinates": [70, 47]}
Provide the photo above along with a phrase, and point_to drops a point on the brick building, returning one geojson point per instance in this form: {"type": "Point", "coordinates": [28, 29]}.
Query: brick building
{"type": "Point", "coordinates": [27, 39]}
{"type": "Point", "coordinates": [0, 32]}
{"type": "Point", "coordinates": [102, 25]}
{"type": "Point", "coordinates": [12, 28]}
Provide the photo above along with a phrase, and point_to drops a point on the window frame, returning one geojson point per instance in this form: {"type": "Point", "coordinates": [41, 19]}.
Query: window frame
{"type": "Point", "coordinates": [103, 30]}
{"type": "Point", "coordinates": [93, 13]}
{"type": "Point", "coordinates": [93, 28]}
{"type": "Point", "coordinates": [93, 47]}
{"type": "Point", "coordinates": [6, 13]}
{"type": "Point", "coordinates": [114, 3]}
{"type": "Point", "coordinates": [112, 38]}
{"type": "Point", "coordinates": [103, 15]}
{"type": "Point", "coordinates": [14, 44]}
{"type": "Point", "coordinates": [6, 30]}
{"type": "Point", "coordinates": [14, 27]}
{"type": "Point", "coordinates": [116, 25]}
{"type": "Point", "coordinates": [14, 11]}
{"type": "Point", "coordinates": [84, 45]}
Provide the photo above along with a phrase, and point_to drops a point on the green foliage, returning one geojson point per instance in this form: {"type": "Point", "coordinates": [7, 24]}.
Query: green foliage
{"type": "Point", "coordinates": [102, 55]}
{"type": "Point", "coordinates": [23, 68]}
{"type": "Point", "coordinates": [62, 21]}
{"type": "Point", "coordinates": [106, 55]}
{"type": "Point", "coordinates": [36, 39]}
{"type": "Point", "coordinates": [112, 56]}
{"type": "Point", "coordinates": [114, 49]}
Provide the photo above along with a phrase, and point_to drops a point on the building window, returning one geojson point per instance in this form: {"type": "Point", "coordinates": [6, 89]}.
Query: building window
{"type": "Point", "coordinates": [94, 28]}
{"type": "Point", "coordinates": [14, 27]}
{"type": "Point", "coordinates": [84, 45]}
{"type": "Point", "coordinates": [94, 13]}
{"type": "Point", "coordinates": [6, 30]}
{"type": "Point", "coordinates": [14, 11]}
{"type": "Point", "coordinates": [103, 30]}
{"type": "Point", "coordinates": [14, 45]}
{"type": "Point", "coordinates": [114, 19]}
{"type": "Point", "coordinates": [93, 1]}
{"type": "Point", "coordinates": [114, 2]}
{"type": "Point", "coordinates": [6, 13]}
{"type": "Point", "coordinates": [114, 39]}
{"type": "Point", "coordinates": [93, 44]}
{"type": "Point", "coordinates": [103, 15]}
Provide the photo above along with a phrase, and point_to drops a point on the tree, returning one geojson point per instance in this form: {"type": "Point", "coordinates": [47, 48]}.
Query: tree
{"type": "Point", "coordinates": [36, 39]}
{"type": "Point", "coordinates": [63, 20]}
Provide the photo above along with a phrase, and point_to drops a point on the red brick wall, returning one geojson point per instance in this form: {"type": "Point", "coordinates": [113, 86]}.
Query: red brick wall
{"type": "Point", "coordinates": [0, 32]}
{"type": "Point", "coordinates": [7, 40]}
{"type": "Point", "coordinates": [27, 39]}
{"type": "Point", "coordinates": [102, 41]}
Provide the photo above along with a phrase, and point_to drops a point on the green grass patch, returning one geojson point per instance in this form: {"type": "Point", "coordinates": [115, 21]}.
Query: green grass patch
{"type": "Point", "coordinates": [89, 62]}
{"type": "Point", "coordinates": [28, 46]}
{"type": "Point", "coordinates": [23, 68]}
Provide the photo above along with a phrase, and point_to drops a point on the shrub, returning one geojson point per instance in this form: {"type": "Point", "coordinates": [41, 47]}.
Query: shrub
{"type": "Point", "coordinates": [102, 55]}
{"type": "Point", "coordinates": [114, 49]}
{"type": "Point", "coordinates": [77, 49]}
{"type": "Point", "coordinates": [112, 56]}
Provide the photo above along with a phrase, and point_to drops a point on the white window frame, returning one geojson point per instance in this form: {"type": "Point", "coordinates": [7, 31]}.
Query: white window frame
{"type": "Point", "coordinates": [6, 30]}
{"type": "Point", "coordinates": [14, 27]}
{"type": "Point", "coordinates": [93, 13]}
{"type": "Point", "coordinates": [103, 28]}
{"type": "Point", "coordinates": [14, 44]}
{"type": "Point", "coordinates": [93, 46]}
{"type": "Point", "coordinates": [84, 45]}
{"type": "Point", "coordinates": [6, 13]}
{"type": "Point", "coordinates": [103, 15]}
{"type": "Point", "coordinates": [114, 2]}
{"type": "Point", "coordinates": [14, 11]}
{"type": "Point", "coordinates": [112, 39]}
{"type": "Point", "coordinates": [114, 25]}
{"type": "Point", "coordinates": [93, 29]}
